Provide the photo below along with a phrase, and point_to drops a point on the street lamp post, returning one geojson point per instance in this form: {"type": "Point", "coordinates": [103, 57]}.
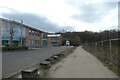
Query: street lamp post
{"type": "Point", "coordinates": [21, 33]}
{"type": "Point", "coordinates": [11, 33]}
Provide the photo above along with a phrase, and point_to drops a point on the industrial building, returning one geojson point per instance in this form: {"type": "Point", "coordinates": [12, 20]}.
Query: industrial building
{"type": "Point", "coordinates": [20, 34]}
{"type": "Point", "coordinates": [54, 39]}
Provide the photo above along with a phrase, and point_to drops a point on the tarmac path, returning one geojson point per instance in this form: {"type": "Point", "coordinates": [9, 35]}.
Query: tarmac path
{"type": "Point", "coordinates": [16, 61]}
{"type": "Point", "coordinates": [80, 64]}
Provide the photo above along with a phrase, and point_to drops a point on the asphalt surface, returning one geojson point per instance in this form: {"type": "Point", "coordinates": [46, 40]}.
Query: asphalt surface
{"type": "Point", "coordinates": [16, 61]}
{"type": "Point", "coordinates": [80, 64]}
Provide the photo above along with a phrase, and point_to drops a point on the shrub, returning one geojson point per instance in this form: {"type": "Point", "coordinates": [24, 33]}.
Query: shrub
{"type": "Point", "coordinates": [6, 48]}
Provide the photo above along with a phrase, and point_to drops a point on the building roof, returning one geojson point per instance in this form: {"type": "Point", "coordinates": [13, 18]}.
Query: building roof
{"type": "Point", "coordinates": [54, 35]}
{"type": "Point", "coordinates": [19, 23]}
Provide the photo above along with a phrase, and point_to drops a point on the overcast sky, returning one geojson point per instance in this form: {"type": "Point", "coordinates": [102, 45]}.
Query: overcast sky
{"type": "Point", "coordinates": [56, 15]}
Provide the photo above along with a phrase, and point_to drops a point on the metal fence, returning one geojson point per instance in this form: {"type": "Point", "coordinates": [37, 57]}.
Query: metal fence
{"type": "Point", "coordinates": [107, 51]}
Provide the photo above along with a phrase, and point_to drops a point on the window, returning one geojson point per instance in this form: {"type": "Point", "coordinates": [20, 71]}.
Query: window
{"type": "Point", "coordinates": [36, 41]}
{"type": "Point", "coordinates": [44, 35]}
{"type": "Point", "coordinates": [32, 42]}
{"type": "Point", "coordinates": [29, 43]}
{"type": "Point", "coordinates": [33, 32]}
{"type": "Point", "coordinates": [30, 31]}
{"type": "Point", "coordinates": [38, 33]}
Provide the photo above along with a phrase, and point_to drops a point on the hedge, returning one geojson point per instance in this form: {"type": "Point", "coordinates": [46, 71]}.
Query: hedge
{"type": "Point", "coordinates": [6, 48]}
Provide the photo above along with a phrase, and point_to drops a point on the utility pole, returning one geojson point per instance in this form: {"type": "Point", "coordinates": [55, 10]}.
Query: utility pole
{"type": "Point", "coordinates": [21, 33]}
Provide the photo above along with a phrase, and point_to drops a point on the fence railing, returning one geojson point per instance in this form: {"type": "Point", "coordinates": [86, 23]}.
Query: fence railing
{"type": "Point", "coordinates": [107, 51]}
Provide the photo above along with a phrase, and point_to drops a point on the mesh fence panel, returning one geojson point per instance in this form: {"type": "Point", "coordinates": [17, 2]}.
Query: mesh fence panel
{"type": "Point", "coordinates": [107, 51]}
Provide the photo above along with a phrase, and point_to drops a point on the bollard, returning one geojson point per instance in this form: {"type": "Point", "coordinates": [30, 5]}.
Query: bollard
{"type": "Point", "coordinates": [50, 60]}
{"type": "Point", "coordinates": [65, 53]}
{"type": "Point", "coordinates": [62, 54]}
{"type": "Point", "coordinates": [45, 64]}
{"type": "Point", "coordinates": [55, 57]}
{"type": "Point", "coordinates": [59, 55]}
{"type": "Point", "coordinates": [30, 73]}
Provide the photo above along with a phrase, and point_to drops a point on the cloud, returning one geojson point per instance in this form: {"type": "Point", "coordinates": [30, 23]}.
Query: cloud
{"type": "Point", "coordinates": [78, 15]}
{"type": "Point", "coordinates": [34, 20]}
{"type": "Point", "coordinates": [119, 15]}
{"type": "Point", "coordinates": [92, 12]}
{"type": "Point", "coordinates": [8, 9]}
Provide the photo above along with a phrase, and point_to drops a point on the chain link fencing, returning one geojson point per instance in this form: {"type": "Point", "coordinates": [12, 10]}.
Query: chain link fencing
{"type": "Point", "coordinates": [107, 51]}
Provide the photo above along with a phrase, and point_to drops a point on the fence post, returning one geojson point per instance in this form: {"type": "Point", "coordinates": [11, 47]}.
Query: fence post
{"type": "Point", "coordinates": [95, 46]}
{"type": "Point", "coordinates": [96, 49]}
{"type": "Point", "coordinates": [110, 50]}
{"type": "Point", "coordinates": [102, 51]}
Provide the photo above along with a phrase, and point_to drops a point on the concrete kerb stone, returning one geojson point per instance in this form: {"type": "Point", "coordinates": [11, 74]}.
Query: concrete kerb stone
{"type": "Point", "coordinates": [56, 58]}
{"type": "Point", "coordinates": [30, 73]}
{"type": "Point", "coordinates": [58, 55]}
{"type": "Point", "coordinates": [50, 60]}
{"type": "Point", "coordinates": [42, 71]}
{"type": "Point", "coordinates": [45, 64]}
{"type": "Point", "coordinates": [62, 54]}
{"type": "Point", "coordinates": [65, 53]}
